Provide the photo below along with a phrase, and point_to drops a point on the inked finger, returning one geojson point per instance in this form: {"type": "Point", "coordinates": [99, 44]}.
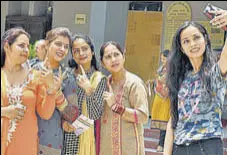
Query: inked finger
{"type": "Point", "coordinates": [82, 70]}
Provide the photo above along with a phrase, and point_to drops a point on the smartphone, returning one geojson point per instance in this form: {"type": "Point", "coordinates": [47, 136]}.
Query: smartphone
{"type": "Point", "coordinates": [210, 7]}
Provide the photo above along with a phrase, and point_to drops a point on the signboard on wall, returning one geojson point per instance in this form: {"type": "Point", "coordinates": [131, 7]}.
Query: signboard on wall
{"type": "Point", "coordinates": [216, 34]}
{"type": "Point", "coordinates": [143, 43]}
{"type": "Point", "coordinates": [177, 13]}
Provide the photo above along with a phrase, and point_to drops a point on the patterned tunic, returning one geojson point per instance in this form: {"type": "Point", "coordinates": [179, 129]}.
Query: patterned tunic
{"type": "Point", "coordinates": [50, 131]}
{"type": "Point", "coordinates": [199, 113]}
{"type": "Point", "coordinates": [118, 135]}
{"type": "Point", "coordinates": [94, 106]}
{"type": "Point", "coordinates": [31, 95]}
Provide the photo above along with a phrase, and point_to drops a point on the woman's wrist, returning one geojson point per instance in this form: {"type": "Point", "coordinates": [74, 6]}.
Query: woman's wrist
{"type": "Point", "coordinates": [89, 91]}
{"type": "Point", "coordinates": [117, 108]}
{"type": "Point", "coordinates": [53, 91]}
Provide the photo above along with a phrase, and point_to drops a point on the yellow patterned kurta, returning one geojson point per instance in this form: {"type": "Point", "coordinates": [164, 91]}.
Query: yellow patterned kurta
{"type": "Point", "coordinates": [87, 139]}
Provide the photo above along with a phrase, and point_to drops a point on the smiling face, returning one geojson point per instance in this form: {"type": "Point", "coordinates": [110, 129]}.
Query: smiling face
{"type": "Point", "coordinates": [58, 48]}
{"type": "Point", "coordinates": [113, 60]}
{"type": "Point", "coordinates": [81, 52]}
{"type": "Point", "coordinates": [193, 42]}
{"type": "Point", "coordinates": [18, 52]}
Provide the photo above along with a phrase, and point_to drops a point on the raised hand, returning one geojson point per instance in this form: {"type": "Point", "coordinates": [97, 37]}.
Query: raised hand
{"type": "Point", "coordinates": [46, 72]}
{"type": "Point", "coordinates": [57, 81]}
{"type": "Point", "coordinates": [109, 96]}
{"type": "Point", "coordinates": [220, 19]}
{"type": "Point", "coordinates": [84, 82]}
{"type": "Point", "coordinates": [47, 76]}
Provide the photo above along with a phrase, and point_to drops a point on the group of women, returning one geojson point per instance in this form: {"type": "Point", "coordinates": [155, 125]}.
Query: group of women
{"type": "Point", "coordinates": [40, 104]}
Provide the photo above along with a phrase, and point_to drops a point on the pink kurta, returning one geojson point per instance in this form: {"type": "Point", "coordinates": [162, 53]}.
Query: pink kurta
{"type": "Point", "coordinates": [24, 139]}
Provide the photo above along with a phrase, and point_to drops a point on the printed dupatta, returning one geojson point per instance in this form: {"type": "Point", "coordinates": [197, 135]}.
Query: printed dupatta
{"type": "Point", "coordinates": [87, 139]}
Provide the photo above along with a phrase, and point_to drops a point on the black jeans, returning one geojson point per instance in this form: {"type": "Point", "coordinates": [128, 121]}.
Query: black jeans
{"type": "Point", "coordinates": [162, 137]}
{"type": "Point", "coordinates": [213, 146]}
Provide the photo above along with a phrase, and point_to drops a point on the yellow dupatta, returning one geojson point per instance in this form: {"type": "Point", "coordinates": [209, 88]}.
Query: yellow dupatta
{"type": "Point", "coordinates": [87, 139]}
{"type": "Point", "coordinates": [4, 121]}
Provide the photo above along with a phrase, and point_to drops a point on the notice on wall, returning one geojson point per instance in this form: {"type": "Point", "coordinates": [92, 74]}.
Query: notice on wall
{"type": "Point", "coordinates": [143, 43]}
{"type": "Point", "coordinates": [177, 13]}
{"type": "Point", "coordinates": [216, 34]}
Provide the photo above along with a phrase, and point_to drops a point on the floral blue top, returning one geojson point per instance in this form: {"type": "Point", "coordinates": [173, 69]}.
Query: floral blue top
{"type": "Point", "coordinates": [199, 111]}
{"type": "Point", "coordinates": [50, 131]}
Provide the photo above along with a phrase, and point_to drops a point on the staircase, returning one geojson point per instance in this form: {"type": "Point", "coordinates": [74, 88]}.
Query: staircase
{"type": "Point", "coordinates": [151, 139]}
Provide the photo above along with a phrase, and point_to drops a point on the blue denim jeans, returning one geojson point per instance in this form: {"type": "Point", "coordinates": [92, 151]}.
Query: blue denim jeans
{"type": "Point", "coordinates": [213, 146]}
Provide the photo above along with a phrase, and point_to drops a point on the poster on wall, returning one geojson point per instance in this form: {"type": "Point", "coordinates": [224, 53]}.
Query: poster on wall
{"type": "Point", "coordinates": [143, 43]}
{"type": "Point", "coordinates": [216, 35]}
{"type": "Point", "coordinates": [177, 13]}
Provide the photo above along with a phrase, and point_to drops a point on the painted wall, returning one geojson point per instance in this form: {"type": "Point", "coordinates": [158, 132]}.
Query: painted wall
{"type": "Point", "coordinates": [14, 7]}
{"type": "Point", "coordinates": [64, 15]}
{"type": "Point", "coordinates": [4, 12]}
{"type": "Point", "coordinates": [116, 21]}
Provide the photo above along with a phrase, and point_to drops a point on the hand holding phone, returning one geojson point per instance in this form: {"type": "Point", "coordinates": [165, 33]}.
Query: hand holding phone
{"type": "Point", "coordinates": [221, 20]}
{"type": "Point", "coordinates": [217, 15]}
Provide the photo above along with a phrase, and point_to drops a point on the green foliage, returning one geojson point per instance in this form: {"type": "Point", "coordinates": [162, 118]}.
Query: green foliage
{"type": "Point", "coordinates": [32, 53]}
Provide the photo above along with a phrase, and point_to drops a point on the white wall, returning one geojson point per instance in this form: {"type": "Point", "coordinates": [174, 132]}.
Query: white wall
{"type": "Point", "coordinates": [64, 15]}
{"type": "Point", "coordinates": [4, 12]}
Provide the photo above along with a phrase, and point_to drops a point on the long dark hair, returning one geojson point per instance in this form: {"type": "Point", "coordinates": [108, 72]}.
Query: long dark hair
{"type": "Point", "coordinates": [179, 64]}
{"type": "Point", "coordinates": [10, 37]}
{"type": "Point", "coordinates": [165, 53]}
{"type": "Point", "coordinates": [72, 62]}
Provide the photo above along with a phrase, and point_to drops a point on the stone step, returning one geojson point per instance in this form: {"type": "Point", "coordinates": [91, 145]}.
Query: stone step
{"type": "Point", "coordinates": [152, 152]}
{"type": "Point", "coordinates": [151, 133]}
{"type": "Point", "coordinates": [150, 143]}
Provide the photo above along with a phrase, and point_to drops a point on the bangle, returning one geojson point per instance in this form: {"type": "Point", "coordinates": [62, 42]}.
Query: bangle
{"type": "Point", "coordinates": [119, 109]}
{"type": "Point", "coordinates": [135, 116]}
